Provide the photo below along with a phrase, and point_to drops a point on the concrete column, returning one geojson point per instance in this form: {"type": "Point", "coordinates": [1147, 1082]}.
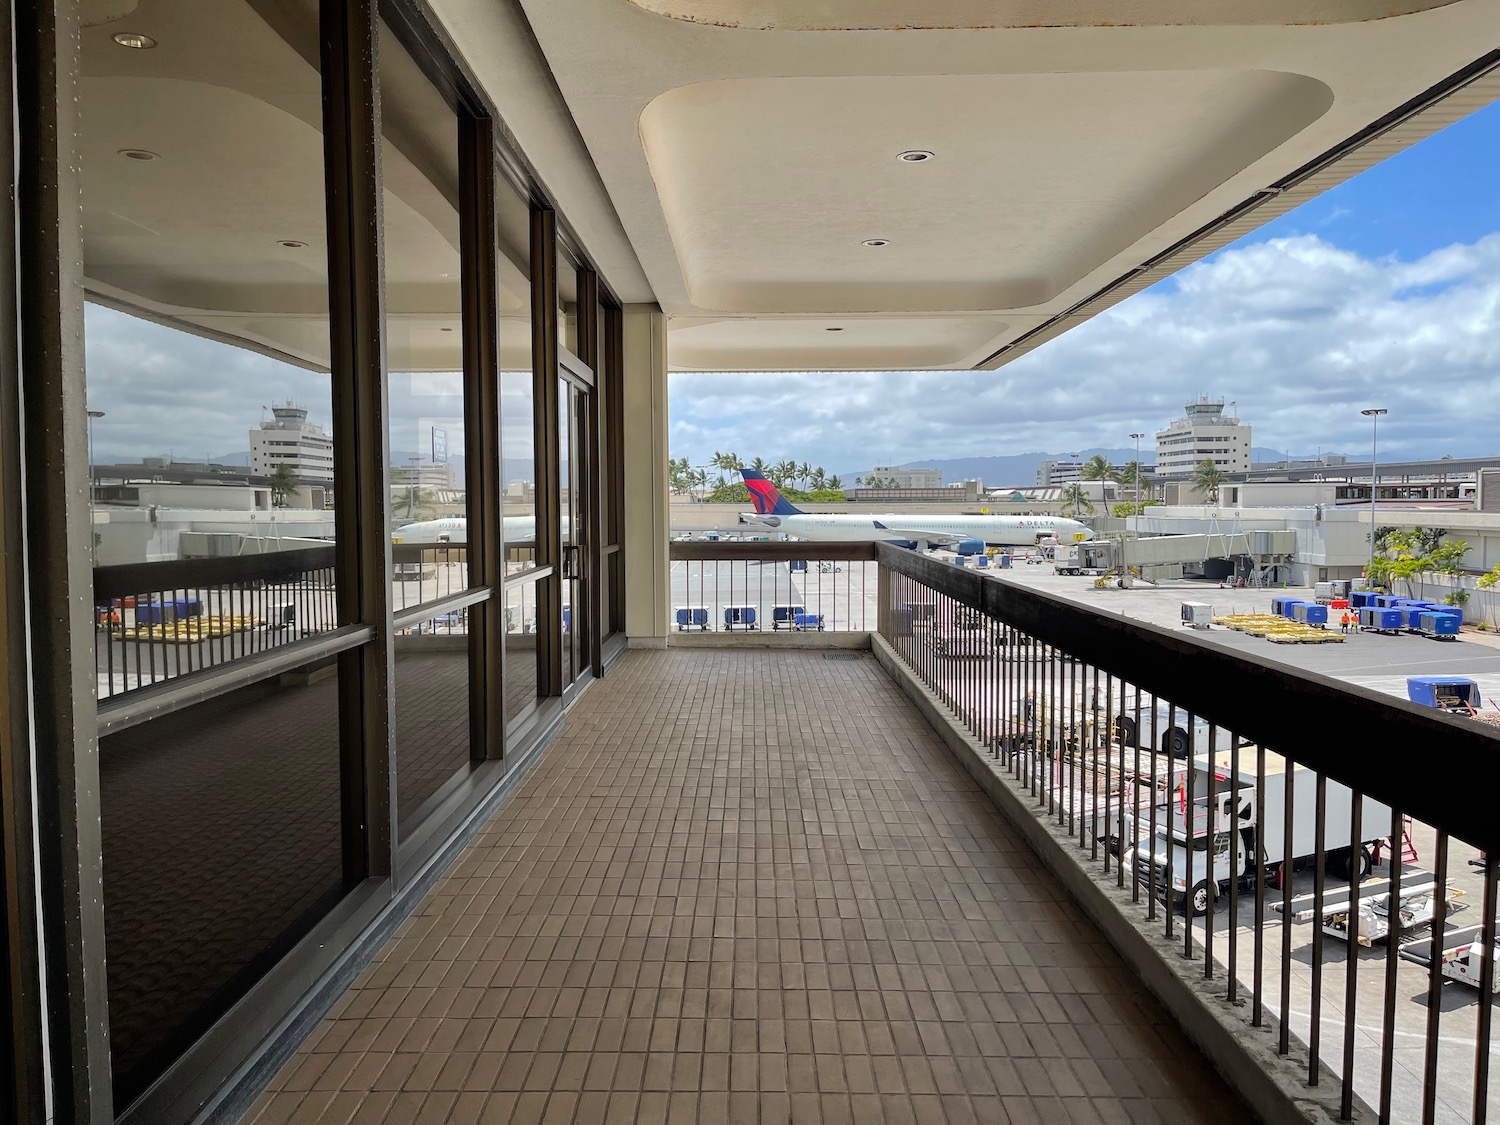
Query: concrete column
{"type": "Point", "coordinates": [646, 512]}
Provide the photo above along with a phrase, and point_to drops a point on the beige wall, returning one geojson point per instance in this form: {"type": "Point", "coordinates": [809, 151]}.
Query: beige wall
{"type": "Point", "coordinates": [645, 475]}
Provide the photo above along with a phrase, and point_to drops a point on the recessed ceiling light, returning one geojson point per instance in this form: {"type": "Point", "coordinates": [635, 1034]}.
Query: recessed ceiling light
{"type": "Point", "coordinates": [138, 154]}
{"type": "Point", "coordinates": [876, 242]}
{"type": "Point", "coordinates": [914, 156]}
{"type": "Point", "coordinates": [134, 40]}
{"type": "Point", "coordinates": [833, 330]}
{"type": "Point", "coordinates": [291, 244]}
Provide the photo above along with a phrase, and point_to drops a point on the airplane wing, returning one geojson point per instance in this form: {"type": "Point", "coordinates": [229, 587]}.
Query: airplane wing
{"type": "Point", "coordinates": [919, 534]}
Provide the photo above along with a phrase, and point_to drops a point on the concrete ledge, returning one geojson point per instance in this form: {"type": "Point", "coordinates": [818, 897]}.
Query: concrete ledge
{"type": "Point", "coordinates": [1273, 1087]}
{"type": "Point", "coordinates": [765, 638]}
{"type": "Point", "coordinates": [646, 642]}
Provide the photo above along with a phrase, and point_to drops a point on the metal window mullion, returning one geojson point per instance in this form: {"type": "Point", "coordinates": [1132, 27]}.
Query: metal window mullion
{"type": "Point", "coordinates": [481, 330]}
{"type": "Point", "coordinates": [58, 555]}
{"type": "Point", "coordinates": [594, 448]}
{"type": "Point", "coordinates": [356, 315]}
{"type": "Point", "coordinates": [545, 375]}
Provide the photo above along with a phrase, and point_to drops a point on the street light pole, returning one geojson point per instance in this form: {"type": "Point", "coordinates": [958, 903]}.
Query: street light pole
{"type": "Point", "coordinates": [1373, 415]}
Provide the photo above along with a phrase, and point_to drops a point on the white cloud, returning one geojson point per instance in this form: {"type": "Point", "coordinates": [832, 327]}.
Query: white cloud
{"type": "Point", "coordinates": [1299, 333]}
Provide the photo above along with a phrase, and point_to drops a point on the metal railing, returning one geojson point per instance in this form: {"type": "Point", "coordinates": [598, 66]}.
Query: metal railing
{"type": "Point", "coordinates": [159, 621]}
{"type": "Point", "coordinates": [772, 587]}
{"type": "Point", "coordinates": [1247, 844]}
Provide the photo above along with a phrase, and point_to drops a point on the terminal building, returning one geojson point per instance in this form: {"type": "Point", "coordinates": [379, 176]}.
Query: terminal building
{"type": "Point", "coordinates": [354, 830]}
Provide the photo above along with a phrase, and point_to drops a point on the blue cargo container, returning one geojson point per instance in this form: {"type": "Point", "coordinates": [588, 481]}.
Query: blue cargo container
{"type": "Point", "coordinates": [1376, 619]}
{"type": "Point", "coordinates": [1002, 561]}
{"type": "Point", "coordinates": [740, 617]}
{"type": "Point", "coordinates": [1387, 601]}
{"type": "Point", "coordinates": [1282, 606]}
{"type": "Point", "coordinates": [164, 612]}
{"type": "Point", "coordinates": [1435, 623]}
{"type": "Point", "coordinates": [797, 564]}
{"type": "Point", "coordinates": [1310, 613]}
{"type": "Point", "coordinates": [1358, 599]}
{"type": "Point", "coordinates": [692, 617]}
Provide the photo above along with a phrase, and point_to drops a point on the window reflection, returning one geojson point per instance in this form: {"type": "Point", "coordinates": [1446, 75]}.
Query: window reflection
{"type": "Point", "coordinates": [212, 455]}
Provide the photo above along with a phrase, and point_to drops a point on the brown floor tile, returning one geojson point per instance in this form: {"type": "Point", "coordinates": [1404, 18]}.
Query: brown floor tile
{"type": "Point", "coordinates": [745, 887]}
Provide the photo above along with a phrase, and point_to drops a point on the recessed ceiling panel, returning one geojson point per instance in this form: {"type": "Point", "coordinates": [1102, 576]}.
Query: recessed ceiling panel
{"type": "Point", "coordinates": [790, 195]}
{"type": "Point", "coordinates": [848, 344]}
{"type": "Point", "coordinates": [901, 15]}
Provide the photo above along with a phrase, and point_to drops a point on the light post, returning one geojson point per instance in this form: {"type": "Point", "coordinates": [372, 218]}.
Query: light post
{"type": "Point", "coordinates": [1138, 509]}
{"type": "Point", "coordinates": [1373, 414]}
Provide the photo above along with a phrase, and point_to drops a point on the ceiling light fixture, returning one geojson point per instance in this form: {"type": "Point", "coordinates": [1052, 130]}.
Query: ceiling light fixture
{"type": "Point", "coordinates": [138, 154]}
{"type": "Point", "coordinates": [134, 40]}
{"type": "Point", "coordinates": [833, 330]}
{"type": "Point", "coordinates": [445, 330]}
{"type": "Point", "coordinates": [291, 244]}
{"type": "Point", "coordinates": [914, 156]}
{"type": "Point", "coordinates": [876, 242]}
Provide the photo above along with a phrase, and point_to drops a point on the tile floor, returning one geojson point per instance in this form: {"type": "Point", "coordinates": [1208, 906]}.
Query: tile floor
{"type": "Point", "coordinates": [746, 887]}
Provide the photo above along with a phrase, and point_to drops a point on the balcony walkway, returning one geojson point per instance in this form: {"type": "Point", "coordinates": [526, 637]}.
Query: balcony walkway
{"type": "Point", "coordinates": [746, 887]}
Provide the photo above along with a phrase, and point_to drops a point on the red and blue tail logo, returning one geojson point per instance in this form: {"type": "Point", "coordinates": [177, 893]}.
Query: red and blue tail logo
{"type": "Point", "coordinates": [763, 494]}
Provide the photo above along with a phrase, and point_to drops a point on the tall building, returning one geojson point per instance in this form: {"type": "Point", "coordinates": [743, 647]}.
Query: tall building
{"type": "Point", "coordinates": [907, 478]}
{"type": "Point", "coordinates": [289, 439]}
{"type": "Point", "coordinates": [1050, 473]}
{"type": "Point", "coordinates": [1203, 433]}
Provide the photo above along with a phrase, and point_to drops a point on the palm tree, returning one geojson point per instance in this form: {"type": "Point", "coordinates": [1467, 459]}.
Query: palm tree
{"type": "Point", "coordinates": [1207, 478]}
{"type": "Point", "coordinates": [759, 465]}
{"type": "Point", "coordinates": [679, 474]}
{"type": "Point", "coordinates": [785, 472]}
{"type": "Point", "coordinates": [1096, 467]}
{"type": "Point", "coordinates": [819, 479]}
{"type": "Point", "coordinates": [837, 482]}
{"type": "Point", "coordinates": [804, 471]}
{"type": "Point", "coordinates": [283, 484]}
{"type": "Point", "coordinates": [1076, 500]}
{"type": "Point", "coordinates": [410, 503]}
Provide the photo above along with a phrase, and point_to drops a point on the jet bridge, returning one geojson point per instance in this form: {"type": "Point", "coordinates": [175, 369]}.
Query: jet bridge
{"type": "Point", "coordinates": [1261, 549]}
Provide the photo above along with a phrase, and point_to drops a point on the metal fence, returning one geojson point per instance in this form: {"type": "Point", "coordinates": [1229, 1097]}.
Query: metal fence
{"type": "Point", "coordinates": [1304, 842]}
{"type": "Point", "coordinates": [772, 587]}
{"type": "Point", "coordinates": [158, 621]}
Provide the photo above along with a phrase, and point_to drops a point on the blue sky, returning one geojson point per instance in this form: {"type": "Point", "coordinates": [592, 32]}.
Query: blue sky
{"type": "Point", "coordinates": [1384, 291]}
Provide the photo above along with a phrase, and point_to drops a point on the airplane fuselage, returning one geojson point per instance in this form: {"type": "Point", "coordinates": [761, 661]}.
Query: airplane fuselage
{"type": "Point", "coordinates": [455, 529]}
{"type": "Point", "coordinates": [994, 531]}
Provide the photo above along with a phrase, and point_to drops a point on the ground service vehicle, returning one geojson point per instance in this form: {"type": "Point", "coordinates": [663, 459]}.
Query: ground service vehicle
{"type": "Point", "coordinates": [1209, 811]}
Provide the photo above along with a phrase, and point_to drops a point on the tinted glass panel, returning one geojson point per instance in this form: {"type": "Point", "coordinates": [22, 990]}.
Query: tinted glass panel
{"type": "Point", "coordinates": [520, 649]}
{"type": "Point", "coordinates": [221, 848]}
{"type": "Point", "coordinates": [432, 710]}
{"type": "Point", "coordinates": [424, 328]}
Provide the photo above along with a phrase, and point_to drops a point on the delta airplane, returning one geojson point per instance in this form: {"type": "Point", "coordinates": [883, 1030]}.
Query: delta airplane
{"type": "Point", "coordinates": [515, 529]}
{"type": "Point", "coordinates": [966, 534]}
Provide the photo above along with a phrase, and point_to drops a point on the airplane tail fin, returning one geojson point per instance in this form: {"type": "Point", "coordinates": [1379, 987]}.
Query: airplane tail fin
{"type": "Point", "coordinates": [763, 494]}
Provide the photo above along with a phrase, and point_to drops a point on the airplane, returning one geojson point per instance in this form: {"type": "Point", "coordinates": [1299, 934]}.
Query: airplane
{"type": "Point", "coordinates": [968, 535]}
{"type": "Point", "coordinates": [455, 529]}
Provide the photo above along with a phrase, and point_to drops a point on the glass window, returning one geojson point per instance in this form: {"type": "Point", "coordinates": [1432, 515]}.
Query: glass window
{"type": "Point", "coordinates": [424, 331]}
{"type": "Point", "coordinates": [221, 848]}
{"type": "Point", "coordinates": [425, 357]}
{"type": "Point", "coordinates": [567, 303]}
{"type": "Point", "coordinates": [212, 462]}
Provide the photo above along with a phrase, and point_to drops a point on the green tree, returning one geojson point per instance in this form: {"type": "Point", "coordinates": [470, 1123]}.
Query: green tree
{"type": "Point", "coordinates": [1097, 467]}
{"type": "Point", "coordinates": [819, 479]}
{"type": "Point", "coordinates": [1075, 500]}
{"type": "Point", "coordinates": [283, 484]}
{"type": "Point", "coordinates": [1207, 477]}
{"type": "Point", "coordinates": [835, 482]}
{"type": "Point", "coordinates": [1126, 474]}
{"type": "Point", "coordinates": [411, 503]}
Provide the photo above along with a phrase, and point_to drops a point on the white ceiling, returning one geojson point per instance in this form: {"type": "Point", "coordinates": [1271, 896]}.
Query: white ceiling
{"type": "Point", "coordinates": [743, 161]}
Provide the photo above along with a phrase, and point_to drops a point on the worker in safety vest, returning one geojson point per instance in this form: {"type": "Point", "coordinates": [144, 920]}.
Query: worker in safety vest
{"type": "Point", "coordinates": [1344, 621]}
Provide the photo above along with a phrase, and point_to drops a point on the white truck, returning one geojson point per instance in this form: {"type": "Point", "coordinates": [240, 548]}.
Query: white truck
{"type": "Point", "coordinates": [1200, 821]}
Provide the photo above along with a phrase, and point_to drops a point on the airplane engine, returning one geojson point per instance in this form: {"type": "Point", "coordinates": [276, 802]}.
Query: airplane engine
{"type": "Point", "coordinates": [970, 547]}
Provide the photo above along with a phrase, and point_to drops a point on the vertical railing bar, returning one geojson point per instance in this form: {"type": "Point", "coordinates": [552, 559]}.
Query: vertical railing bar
{"type": "Point", "coordinates": [1257, 1000]}
{"type": "Point", "coordinates": [1392, 961]}
{"type": "Point", "coordinates": [1289, 775]}
{"type": "Point", "coordinates": [1435, 980]}
{"type": "Point", "coordinates": [1486, 993]}
{"type": "Point", "coordinates": [1236, 871]}
{"type": "Point", "coordinates": [1171, 801]}
{"type": "Point", "coordinates": [1320, 881]}
{"type": "Point", "coordinates": [1351, 967]}
{"type": "Point", "coordinates": [1151, 749]}
{"type": "Point", "coordinates": [1211, 827]}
